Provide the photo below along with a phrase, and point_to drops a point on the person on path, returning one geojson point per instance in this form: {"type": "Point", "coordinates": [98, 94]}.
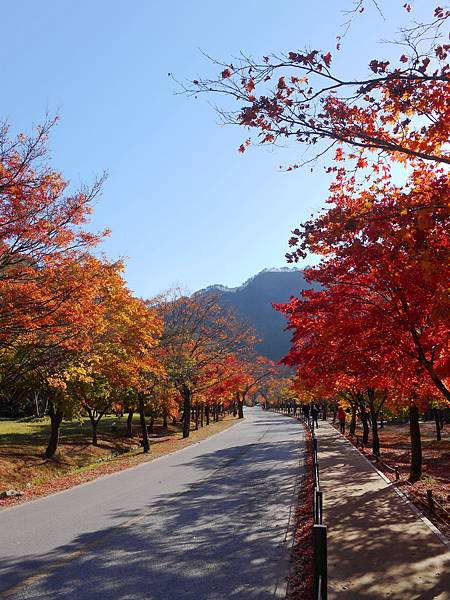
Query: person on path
{"type": "Point", "coordinates": [315, 414]}
{"type": "Point", "coordinates": [341, 419]}
{"type": "Point", "coordinates": [306, 411]}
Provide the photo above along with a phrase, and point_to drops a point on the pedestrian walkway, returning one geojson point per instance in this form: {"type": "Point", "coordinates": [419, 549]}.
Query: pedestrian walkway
{"type": "Point", "coordinates": [377, 546]}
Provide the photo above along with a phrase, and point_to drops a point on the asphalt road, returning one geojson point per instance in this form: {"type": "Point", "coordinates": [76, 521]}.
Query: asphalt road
{"type": "Point", "coordinates": [209, 522]}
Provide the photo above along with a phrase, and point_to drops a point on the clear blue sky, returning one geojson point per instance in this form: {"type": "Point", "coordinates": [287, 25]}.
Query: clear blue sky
{"type": "Point", "coordinates": [183, 205]}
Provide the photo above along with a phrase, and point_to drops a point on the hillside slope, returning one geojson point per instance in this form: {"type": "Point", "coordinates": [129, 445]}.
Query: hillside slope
{"type": "Point", "coordinates": [253, 301]}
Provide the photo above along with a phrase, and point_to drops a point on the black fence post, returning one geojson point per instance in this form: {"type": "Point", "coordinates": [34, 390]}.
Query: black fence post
{"type": "Point", "coordinates": [320, 561]}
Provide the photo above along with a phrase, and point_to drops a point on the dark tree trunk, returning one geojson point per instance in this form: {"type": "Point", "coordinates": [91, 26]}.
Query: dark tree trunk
{"type": "Point", "coordinates": [438, 424]}
{"type": "Point", "coordinates": [240, 402]}
{"type": "Point", "coordinates": [416, 444]}
{"type": "Point", "coordinates": [197, 414]}
{"type": "Point", "coordinates": [187, 412]}
{"type": "Point", "coordinates": [151, 425]}
{"type": "Point", "coordinates": [174, 420]}
{"type": "Point", "coordinates": [375, 437]}
{"type": "Point", "coordinates": [240, 410]}
{"type": "Point", "coordinates": [95, 420]}
{"type": "Point", "coordinates": [145, 440]}
{"type": "Point", "coordinates": [365, 425]}
{"type": "Point", "coordinates": [374, 410]}
{"type": "Point", "coordinates": [56, 417]}
{"type": "Point", "coordinates": [207, 414]}
{"type": "Point", "coordinates": [324, 411]}
{"type": "Point", "coordinates": [202, 412]}
{"type": "Point", "coordinates": [381, 421]}
{"type": "Point", "coordinates": [94, 432]}
{"type": "Point", "coordinates": [130, 423]}
{"type": "Point", "coordinates": [352, 430]}
{"type": "Point", "coordinates": [165, 420]}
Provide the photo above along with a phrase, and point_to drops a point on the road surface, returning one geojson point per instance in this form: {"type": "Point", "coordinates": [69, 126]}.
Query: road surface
{"type": "Point", "coordinates": [209, 522]}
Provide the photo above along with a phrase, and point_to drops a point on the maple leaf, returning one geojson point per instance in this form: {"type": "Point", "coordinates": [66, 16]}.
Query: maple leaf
{"type": "Point", "coordinates": [250, 85]}
{"type": "Point", "coordinates": [327, 58]}
{"type": "Point", "coordinates": [225, 74]}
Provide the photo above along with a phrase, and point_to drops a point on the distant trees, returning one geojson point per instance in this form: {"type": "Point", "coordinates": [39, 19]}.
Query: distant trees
{"type": "Point", "coordinates": [201, 339]}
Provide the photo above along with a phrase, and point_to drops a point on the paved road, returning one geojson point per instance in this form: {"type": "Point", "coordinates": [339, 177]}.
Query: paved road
{"type": "Point", "coordinates": [207, 523]}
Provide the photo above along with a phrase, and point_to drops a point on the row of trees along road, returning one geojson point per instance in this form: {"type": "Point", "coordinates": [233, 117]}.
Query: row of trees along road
{"type": "Point", "coordinates": [74, 339]}
{"type": "Point", "coordinates": [377, 331]}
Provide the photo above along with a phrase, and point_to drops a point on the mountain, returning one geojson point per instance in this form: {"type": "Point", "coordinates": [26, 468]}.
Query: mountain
{"type": "Point", "coordinates": [253, 300]}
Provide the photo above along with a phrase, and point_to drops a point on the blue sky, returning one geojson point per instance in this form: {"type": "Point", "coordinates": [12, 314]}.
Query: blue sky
{"type": "Point", "coordinates": [184, 206]}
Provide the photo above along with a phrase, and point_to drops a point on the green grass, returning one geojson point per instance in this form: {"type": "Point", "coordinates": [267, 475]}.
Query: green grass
{"type": "Point", "coordinates": [36, 431]}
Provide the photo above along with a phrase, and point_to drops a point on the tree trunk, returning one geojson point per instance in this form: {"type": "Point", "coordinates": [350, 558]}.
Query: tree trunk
{"type": "Point", "coordinates": [365, 427]}
{"type": "Point", "coordinates": [352, 430]}
{"type": "Point", "coordinates": [202, 412]}
{"type": "Point", "coordinates": [165, 420]}
{"type": "Point", "coordinates": [151, 424]}
{"type": "Point", "coordinates": [240, 402]}
{"type": "Point", "coordinates": [438, 424]}
{"type": "Point", "coordinates": [187, 412]}
{"type": "Point", "coordinates": [130, 423]}
{"type": "Point", "coordinates": [36, 404]}
{"type": "Point", "coordinates": [197, 414]}
{"type": "Point", "coordinates": [207, 414]}
{"type": "Point", "coordinates": [94, 422]}
{"type": "Point", "coordinates": [375, 437]}
{"type": "Point", "coordinates": [94, 432]}
{"type": "Point", "coordinates": [416, 444]}
{"type": "Point", "coordinates": [55, 424]}
{"type": "Point", "coordinates": [145, 440]}
{"type": "Point", "coordinates": [374, 410]}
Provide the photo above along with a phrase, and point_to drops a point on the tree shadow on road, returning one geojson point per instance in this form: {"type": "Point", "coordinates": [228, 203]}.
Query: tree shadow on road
{"type": "Point", "coordinates": [225, 536]}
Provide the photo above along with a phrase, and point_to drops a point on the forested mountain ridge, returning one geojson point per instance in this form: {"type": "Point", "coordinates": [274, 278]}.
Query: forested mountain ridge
{"type": "Point", "coordinates": [253, 303]}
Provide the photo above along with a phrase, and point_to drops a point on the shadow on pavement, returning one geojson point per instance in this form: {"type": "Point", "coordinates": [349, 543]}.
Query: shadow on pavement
{"type": "Point", "coordinates": [222, 537]}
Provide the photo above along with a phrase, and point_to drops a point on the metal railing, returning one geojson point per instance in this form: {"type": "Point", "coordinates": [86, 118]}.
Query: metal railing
{"type": "Point", "coordinates": [319, 529]}
{"type": "Point", "coordinates": [319, 532]}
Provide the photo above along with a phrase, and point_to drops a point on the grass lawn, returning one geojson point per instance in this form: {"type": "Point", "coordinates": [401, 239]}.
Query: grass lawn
{"type": "Point", "coordinates": [22, 443]}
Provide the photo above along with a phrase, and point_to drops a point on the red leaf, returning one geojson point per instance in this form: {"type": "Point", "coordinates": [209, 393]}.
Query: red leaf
{"type": "Point", "coordinates": [327, 58]}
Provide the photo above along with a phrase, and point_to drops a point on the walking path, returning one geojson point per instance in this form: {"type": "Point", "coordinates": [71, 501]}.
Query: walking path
{"type": "Point", "coordinates": [377, 546]}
